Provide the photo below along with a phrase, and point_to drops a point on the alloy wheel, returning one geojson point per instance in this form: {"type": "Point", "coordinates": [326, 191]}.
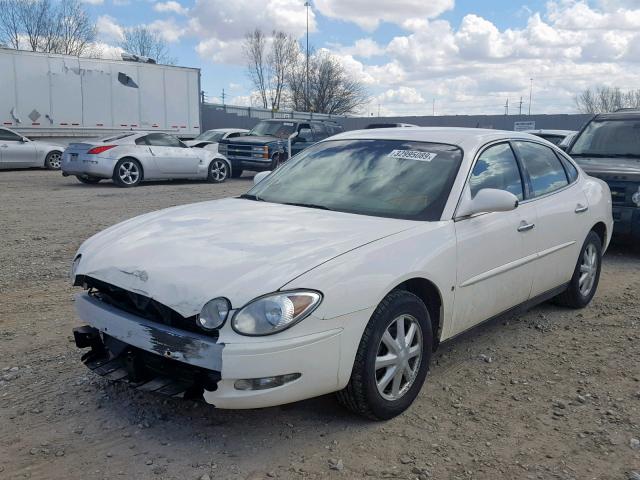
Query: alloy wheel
{"type": "Point", "coordinates": [218, 170]}
{"type": "Point", "coordinates": [398, 357]}
{"type": "Point", "coordinates": [129, 173]}
{"type": "Point", "coordinates": [55, 159]}
{"type": "Point", "coordinates": [588, 270]}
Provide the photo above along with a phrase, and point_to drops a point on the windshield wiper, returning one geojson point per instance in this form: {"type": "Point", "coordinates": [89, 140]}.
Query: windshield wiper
{"type": "Point", "coordinates": [250, 196]}
{"type": "Point", "coordinates": [308, 205]}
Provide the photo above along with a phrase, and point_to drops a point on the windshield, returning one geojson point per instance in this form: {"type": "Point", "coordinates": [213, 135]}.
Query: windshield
{"type": "Point", "coordinates": [210, 136]}
{"type": "Point", "coordinates": [274, 129]}
{"type": "Point", "coordinates": [385, 178]}
{"type": "Point", "coordinates": [609, 138]}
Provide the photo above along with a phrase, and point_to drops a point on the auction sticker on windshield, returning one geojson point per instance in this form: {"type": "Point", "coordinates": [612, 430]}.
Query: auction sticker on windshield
{"type": "Point", "coordinates": [413, 155]}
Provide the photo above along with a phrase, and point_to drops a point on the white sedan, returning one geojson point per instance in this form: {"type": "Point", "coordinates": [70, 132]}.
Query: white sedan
{"type": "Point", "coordinates": [343, 270]}
{"type": "Point", "coordinates": [211, 138]}
{"type": "Point", "coordinates": [130, 158]}
{"type": "Point", "coordinates": [17, 151]}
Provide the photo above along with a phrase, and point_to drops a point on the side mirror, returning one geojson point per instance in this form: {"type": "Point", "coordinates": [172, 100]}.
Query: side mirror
{"type": "Point", "coordinates": [487, 200]}
{"type": "Point", "coordinates": [260, 176]}
{"type": "Point", "coordinates": [24, 139]}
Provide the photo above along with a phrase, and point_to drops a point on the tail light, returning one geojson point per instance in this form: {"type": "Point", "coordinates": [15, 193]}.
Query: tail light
{"type": "Point", "coordinates": [100, 149]}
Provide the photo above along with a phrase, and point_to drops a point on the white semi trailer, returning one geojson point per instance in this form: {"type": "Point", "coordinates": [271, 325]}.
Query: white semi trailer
{"type": "Point", "coordinates": [62, 97]}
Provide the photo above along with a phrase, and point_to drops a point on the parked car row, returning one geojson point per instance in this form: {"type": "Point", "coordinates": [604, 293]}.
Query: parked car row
{"type": "Point", "coordinates": [17, 151]}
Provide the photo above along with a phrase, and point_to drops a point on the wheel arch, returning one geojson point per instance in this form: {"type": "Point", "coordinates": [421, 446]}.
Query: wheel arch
{"type": "Point", "coordinates": [601, 230]}
{"type": "Point", "coordinates": [49, 152]}
{"type": "Point", "coordinates": [429, 293]}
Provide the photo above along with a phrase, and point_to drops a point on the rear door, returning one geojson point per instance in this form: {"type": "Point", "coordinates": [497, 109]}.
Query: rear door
{"type": "Point", "coordinates": [303, 140]}
{"type": "Point", "coordinates": [494, 250]}
{"type": "Point", "coordinates": [173, 158]}
{"type": "Point", "coordinates": [561, 207]}
{"type": "Point", "coordinates": [15, 152]}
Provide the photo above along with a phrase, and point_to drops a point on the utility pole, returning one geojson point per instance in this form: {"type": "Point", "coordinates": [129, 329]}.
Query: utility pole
{"type": "Point", "coordinates": [530, 95]}
{"type": "Point", "coordinates": [506, 107]}
{"type": "Point", "coordinates": [378, 109]}
{"type": "Point", "coordinates": [434, 107]}
{"type": "Point", "coordinates": [223, 96]}
{"type": "Point", "coordinates": [307, 4]}
{"type": "Point", "coordinates": [202, 96]}
{"type": "Point", "coordinates": [520, 109]}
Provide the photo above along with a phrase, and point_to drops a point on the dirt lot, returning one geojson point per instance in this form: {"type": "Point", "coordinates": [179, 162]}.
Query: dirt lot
{"type": "Point", "coordinates": [554, 394]}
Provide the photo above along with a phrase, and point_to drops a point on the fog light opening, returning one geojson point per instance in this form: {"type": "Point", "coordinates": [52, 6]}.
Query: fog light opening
{"type": "Point", "coordinates": [265, 382]}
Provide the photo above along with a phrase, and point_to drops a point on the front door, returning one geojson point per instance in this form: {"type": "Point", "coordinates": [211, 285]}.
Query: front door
{"type": "Point", "coordinates": [14, 152]}
{"type": "Point", "coordinates": [174, 159]}
{"type": "Point", "coordinates": [494, 250]}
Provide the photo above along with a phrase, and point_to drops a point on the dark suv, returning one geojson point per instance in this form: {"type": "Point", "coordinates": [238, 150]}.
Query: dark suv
{"type": "Point", "coordinates": [267, 144]}
{"type": "Point", "coordinates": [608, 147]}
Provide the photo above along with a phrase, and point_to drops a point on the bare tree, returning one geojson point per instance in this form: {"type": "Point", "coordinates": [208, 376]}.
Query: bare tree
{"type": "Point", "coordinates": [269, 61]}
{"type": "Point", "coordinates": [331, 88]}
{"type": "Point", "coordinates": [63, 27]}
{"type": "Point", "coordinates": [144, 42]}
{"type": "Point", "coordinates": [10, 23]}
{"type": "Point", "coordinates": [606, 99]}
{"type": "Point", "coordinates": [73, 32]}
{"type": "Point", "coordinates": [254, 53]}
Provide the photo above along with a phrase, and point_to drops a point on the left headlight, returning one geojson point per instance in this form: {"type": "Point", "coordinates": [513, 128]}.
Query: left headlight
{"type": "Point", "coordinates": [275, 312]}
{"type": "Point", "coordinates": [213, 314]}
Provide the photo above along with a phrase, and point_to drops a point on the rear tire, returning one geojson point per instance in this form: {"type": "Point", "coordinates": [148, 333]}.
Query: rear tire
{"type": "Point", "coordinates": [586, 275]}
{"type": "Point", "coordinates": [88, 180]}
{"type": "Point", "coordinates": [236, 172]}
{"type": "Point", "coordinates": [128, 173]}
{"type": "Point", "coordinates": [53, 161]}
{"type": "Point", "coordinates": [218, 171]}
{"type": "Point", "coordinates": [383, 357]}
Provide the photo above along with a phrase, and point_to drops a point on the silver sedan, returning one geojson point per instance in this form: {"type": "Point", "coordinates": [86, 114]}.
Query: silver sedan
{"type": "Point", "coordinates": [17, 151]}
{"type": "Point", "coordinates": [133, 157]}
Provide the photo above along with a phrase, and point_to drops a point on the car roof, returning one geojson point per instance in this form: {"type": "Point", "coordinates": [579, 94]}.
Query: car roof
{"type": "Point", "coordinates": [225, 130]}
{"type": "Point", "coordinates": [466, 138]}
{"type": "Point", "coordinates": [550, 132]}
{"type": "Point", "coordinates": [622, 115]}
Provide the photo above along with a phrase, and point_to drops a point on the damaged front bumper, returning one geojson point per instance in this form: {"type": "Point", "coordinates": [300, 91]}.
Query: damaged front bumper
{"type": "Point", "coordinates": [151, 356]}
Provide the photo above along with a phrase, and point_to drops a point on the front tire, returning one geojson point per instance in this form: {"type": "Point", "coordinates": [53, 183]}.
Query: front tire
{"type": "Point", "coordinates": [128, 173]}
{"type": "Point", "coordinates": [53, 161]}
{"type": "Point", "coordinates": [392, 359]}
{"type": "Point", "coordinates": [586, 275]}
{"type": "Point", "coordinates": [218, 171]}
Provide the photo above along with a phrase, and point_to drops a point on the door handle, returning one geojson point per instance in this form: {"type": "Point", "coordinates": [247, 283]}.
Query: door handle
{"type": "Point", "coordinates": [581, 208]}
{"type": "Point", "coordinates": [525, 227]}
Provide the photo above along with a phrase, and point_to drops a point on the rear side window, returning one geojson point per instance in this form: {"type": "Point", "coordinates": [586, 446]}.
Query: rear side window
{"type": "Point", "coordinates": [497, 168]}
{"type": "Point", "coordinates": [319, 131]}
{"type": "Point", "coordinates": [142, 140]}
{"type": "Point", "coordinates": [543, 166]}
{"type": "Point", "coordinates": [572, 171]}
{"type": "Point", "coordinates": [163, 140]}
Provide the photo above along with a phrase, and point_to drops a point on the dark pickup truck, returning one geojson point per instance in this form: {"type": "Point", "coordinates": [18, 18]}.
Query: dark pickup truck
{"type": "Point", "coordinates": [608, 147]}
{"type": "Point", "coordinates": [267, 144]}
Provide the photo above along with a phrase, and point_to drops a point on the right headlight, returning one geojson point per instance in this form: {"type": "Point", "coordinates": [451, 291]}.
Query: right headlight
{"type": "Point", "coordinates": [275, 312]}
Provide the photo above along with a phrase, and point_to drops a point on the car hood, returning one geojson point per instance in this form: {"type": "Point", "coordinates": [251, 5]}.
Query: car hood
{"type": "Point", "coordinates": [614, 168]}
{"type": "Point", "coordinates": [184, 256]}
{"type": "Point", "coordinates": [253, 140]}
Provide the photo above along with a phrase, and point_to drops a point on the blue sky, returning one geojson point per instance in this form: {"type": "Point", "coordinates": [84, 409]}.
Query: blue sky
{"type": "Point", "coordinates": [469, 56]}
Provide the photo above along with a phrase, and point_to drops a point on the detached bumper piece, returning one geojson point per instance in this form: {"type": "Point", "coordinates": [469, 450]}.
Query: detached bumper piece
{"type": "Point", "coordinates": [119, 361]}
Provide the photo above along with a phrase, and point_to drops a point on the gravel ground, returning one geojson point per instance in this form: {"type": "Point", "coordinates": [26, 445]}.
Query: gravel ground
{"type": "Point", "coordinates": [552, 394]}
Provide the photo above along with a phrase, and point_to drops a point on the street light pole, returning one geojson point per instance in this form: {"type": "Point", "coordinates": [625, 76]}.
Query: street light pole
{"type": "Point", "coordinates": [307, 4]}
{"type": "Point", "coordinates": [530, 95]}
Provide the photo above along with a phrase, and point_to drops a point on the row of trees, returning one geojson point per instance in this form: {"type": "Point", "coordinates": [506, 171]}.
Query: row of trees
{"type": "Point", "coordinates": [606, 99]}
{"type": "Point", "coordinates": [64, 26]}
{"type": "Point", "coordinates": [277, 68]}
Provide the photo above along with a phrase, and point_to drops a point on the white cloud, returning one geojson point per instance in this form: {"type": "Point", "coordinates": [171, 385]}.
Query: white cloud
{"type": "Point", "coordinates": [109, 29]}
{"type": "Point", "coordinates": [401, 95]}
{"type": "Point", "coordinates": [93, 2]}
{"type": "Point", "coordinates": [170, 6]}
{"type": "Point", "coordinates": [168, 30]}
{"type": "Point", "coordinates": [368, 14]}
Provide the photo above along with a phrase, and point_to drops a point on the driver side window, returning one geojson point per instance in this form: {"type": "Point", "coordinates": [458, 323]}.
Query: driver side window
{"type": "Point", "coordinates": [305, 134]}
{"type": "Point", "coordinates": [497, 168]}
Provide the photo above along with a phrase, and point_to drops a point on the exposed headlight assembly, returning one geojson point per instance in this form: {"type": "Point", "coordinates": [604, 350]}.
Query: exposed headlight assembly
{"type": "Point", "coordinates": [213, 314]}
{"type": "Point", "coordinates": [275, 312]}
{"type": "Point", "coordinates": [74, 268]}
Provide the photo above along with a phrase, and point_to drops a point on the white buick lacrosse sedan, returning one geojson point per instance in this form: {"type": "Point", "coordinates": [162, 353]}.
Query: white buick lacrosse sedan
{"type": "Point", "coordinates": [341, 271]}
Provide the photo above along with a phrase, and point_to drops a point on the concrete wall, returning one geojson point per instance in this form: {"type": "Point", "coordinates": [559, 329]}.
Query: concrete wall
{"type": "Point", "coordinates": [214, 116]}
